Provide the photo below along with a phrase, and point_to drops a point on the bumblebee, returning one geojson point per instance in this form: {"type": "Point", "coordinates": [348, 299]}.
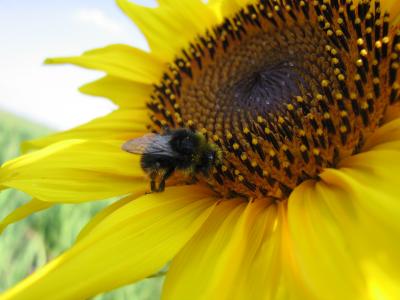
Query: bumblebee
{"type": "Point", "coordinates": [173, 150]}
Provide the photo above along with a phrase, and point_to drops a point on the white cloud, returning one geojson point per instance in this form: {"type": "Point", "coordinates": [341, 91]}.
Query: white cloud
{"type": "Point", "coordinates": [97, 17]}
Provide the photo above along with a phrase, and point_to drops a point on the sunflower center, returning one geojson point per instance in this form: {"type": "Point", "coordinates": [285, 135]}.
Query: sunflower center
{"type": "Point", "coordinates": [284, 90]}
{"type": "Point", "coordinates": [264, 89]}
{"type": "Point", "coordinates": [256, 77]}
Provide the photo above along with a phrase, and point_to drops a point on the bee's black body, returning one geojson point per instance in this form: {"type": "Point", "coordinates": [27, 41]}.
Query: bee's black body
{"type": "Point", "coordinates": [175, 149]}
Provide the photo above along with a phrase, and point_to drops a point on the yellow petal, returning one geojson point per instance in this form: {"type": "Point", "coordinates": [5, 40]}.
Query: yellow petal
{"type": "Point", "coordinates": [124, 93]}
{"type": "Point", "coordinates": [388, 133]}
{"type": "Point", "coordinates": [370, 180]}
{"type": "Point", "coordinates": [75, 171]}
{"type": "Point", "coordinates": [120, 61]}
{"type": "Point", "coordinates": [268, 271]}
{"type": "Point", "coordinates": [131, 243]}
{"type": "Point", "coordinates": [320, 249]}
{"type": "Point", "coordinates": [230, 7]}
{"type": "Point", "coordinates": [191, 274]}
{"type": "Point", "coordinates": [105, 213]}
{"type": "Point", "coordinates": [236, 255]}
{"type": "Point", "coordinates": [122, 124]}
{"type": "Point", "coordinates": [369, 213]}
{"type": "Point", "coordinates": [23, 211]}
{"type": "Point", "coordinates": [346, 227]}
{"type": "Point", "coordinates": [171, 26]}
{"type": "Point", "coordinates": [194, 13]}
{"type": "Point", "coordinates": [375, 175]}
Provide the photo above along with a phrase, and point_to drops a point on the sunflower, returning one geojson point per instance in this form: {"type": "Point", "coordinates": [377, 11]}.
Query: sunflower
{"type": "Point", "coordinates": [301, 97]}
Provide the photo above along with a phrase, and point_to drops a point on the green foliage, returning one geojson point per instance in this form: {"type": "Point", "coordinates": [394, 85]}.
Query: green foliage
{"type": "Point", "coordinates": [29, 244]}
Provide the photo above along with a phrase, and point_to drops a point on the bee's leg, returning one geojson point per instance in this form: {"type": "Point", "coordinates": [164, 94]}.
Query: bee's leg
{"type": "Point", "coordinates": [153, 176]}
{"type": "Point", "coordinates": [164, 177]}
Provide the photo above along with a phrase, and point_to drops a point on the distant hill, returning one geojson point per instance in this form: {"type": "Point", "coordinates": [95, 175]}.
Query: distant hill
{"type": "Point", "coordinates": [13, 120]}
{"type": "Point", "coordinates": [13, 131]}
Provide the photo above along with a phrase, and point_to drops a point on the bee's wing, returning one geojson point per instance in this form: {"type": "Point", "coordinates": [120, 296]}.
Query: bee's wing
{"type": "Point", "coordinates": [150, 144]}
{"type": "Point", "coordinates": [139, 145]}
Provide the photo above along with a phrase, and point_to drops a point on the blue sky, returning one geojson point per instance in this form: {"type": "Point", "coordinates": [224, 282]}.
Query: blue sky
{"type": "Point", "coordinates": [30, 31]}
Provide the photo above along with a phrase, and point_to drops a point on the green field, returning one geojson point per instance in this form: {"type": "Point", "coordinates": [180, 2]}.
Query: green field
{"type": "Point", "coordinates": [30, 243]}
